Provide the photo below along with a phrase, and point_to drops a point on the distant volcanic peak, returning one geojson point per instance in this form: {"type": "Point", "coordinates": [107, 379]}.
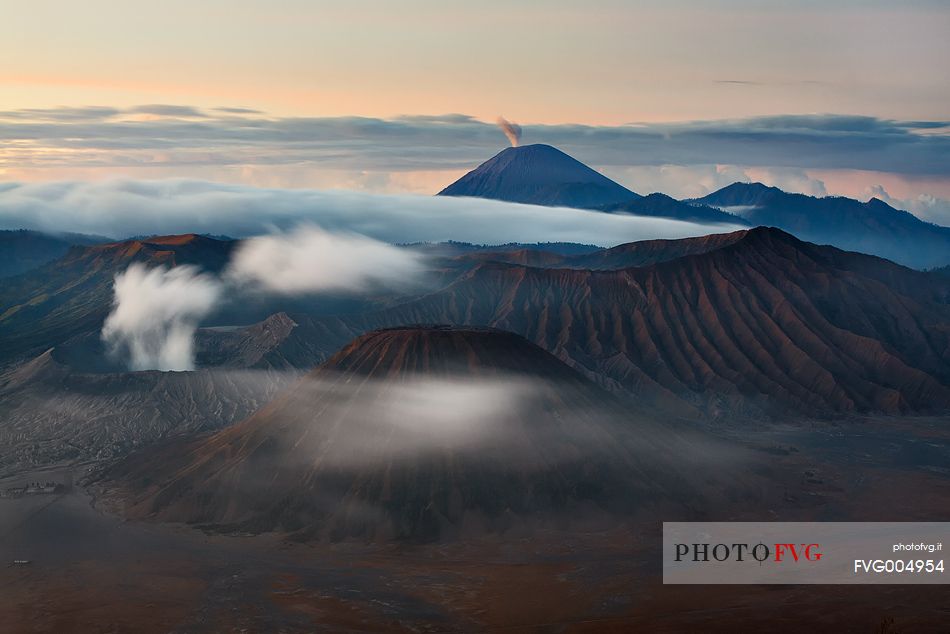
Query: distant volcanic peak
{"type": "Point", "coordinates": [660, 197]}
{"type": "Point", "coordinates": [661, 205]}
{"type": "Point", "coordinates": [867, 227]}
{"type": "Point", "coordinates": [751, 188]}
{"type": "Point", "coordinates": [557, 165]}
{"type": "Point", "coordinates": [442, 349]}
{"type": "Point", "coordinates": [537, 150]}
{"type": "Point", "coordinates": [539, 174]}
{"type": "Point", "coordinates": [742, 195]}
{"type": "Point", "coordinates": [655, 201]}
{"type": "Point", "coordinates": [756, 186]}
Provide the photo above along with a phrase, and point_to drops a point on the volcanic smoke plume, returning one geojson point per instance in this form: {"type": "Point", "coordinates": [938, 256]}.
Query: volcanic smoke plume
{"type": "Point", "coordinates": [155, 314]}
{"type": "Point", "coordinates": [156, 311]}
{"type": "Point", "coordinates": [511, 130]}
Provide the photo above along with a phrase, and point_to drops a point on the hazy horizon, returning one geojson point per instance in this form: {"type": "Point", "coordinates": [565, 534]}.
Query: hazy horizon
{"type": "Point", "coordinates": [842, 98]}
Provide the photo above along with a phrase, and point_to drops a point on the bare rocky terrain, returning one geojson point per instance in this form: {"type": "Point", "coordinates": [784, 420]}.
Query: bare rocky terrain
{"type": "Point", "coordinates": [746, 324]}
{"type": "Point", "coordinates": [570, 401]}
{"type": "Point", "coordinates": [421, 434]}
{"type": "Point", "coordinates": [52, 414]}
{"type": "Point", "coordinates": [93, 571]}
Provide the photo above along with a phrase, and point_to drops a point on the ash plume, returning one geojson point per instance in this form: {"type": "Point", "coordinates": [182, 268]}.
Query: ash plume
{"type": "Point", "coordinates": [511, 130]}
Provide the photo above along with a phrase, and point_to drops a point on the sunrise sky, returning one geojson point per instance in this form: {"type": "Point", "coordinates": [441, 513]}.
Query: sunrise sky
{"type": "Point", "coordinates": [682, 96]}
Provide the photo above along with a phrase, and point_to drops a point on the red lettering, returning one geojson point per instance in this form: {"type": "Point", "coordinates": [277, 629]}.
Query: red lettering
{"type": "Point", "coordinates": [808, 551]}
{"type": "Point", "coordinates": [780, 551]}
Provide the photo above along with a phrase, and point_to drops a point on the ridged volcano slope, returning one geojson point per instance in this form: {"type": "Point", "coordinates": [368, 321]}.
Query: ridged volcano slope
{"type": "Point", "coordinates": [415, 433]}
{"type": "Point", "coordinates": [764, 321]}
{"type": "Point", "coordinates": [72, 295]}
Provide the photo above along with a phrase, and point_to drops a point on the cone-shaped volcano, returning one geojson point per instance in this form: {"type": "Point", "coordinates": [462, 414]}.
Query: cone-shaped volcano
{"type": "Point", "coordinates": [539, 175]}
{"type": "Point", "coordinates": [413, 433]}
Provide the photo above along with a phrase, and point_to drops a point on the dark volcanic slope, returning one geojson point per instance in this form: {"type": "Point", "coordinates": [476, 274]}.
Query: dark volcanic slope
{"type": "Point", "coordinates": [663, 206]}
{"type": "Point", "coordinates": [23, 250]}
{"type": "Point", "coordinates": [649, 252]}
{"type": "Point", "coordinates": [73, 295]}
{"type": "Point", "coordinates": [445, 350]}
{"type": "Point", "coordinates": [810, 327]}
{"type": "Point", "coordinates": [762, 321]}
{"type": "Point", "coordinates": [539, 175]}
{"type": "Point", "coordinates": [412, 433]}
{"type": "Point", "coordinates": [872, 227]}
{"type": "Point", "coordinates": [643, 253]}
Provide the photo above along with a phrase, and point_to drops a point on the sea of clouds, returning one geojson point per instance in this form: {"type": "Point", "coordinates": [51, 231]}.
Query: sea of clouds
{"type": "Point", "coordinates": [122, 208]}
{"type": "Point", "coordinates": [297, 241]}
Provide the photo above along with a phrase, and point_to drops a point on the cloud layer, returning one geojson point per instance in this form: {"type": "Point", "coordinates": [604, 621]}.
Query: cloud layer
{"type": "Point", "coordinates": [175, 136]}
{"type": "Point", "coordinates": [123, 208]}
{"type": "Point", "coordinates": [389, 421]}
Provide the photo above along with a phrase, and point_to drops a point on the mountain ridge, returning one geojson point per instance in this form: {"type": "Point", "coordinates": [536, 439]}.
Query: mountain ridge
{"type": "Point", "coordinates": [660, 205]}
{"type": "Point", "coordinates": [872, 227]}
{"type": "Point", "coordinates": [48, 305]}
{"type": "Point", "coordinates": [22, 250]}
{"type": "Point", "coordinates": [758, 321]}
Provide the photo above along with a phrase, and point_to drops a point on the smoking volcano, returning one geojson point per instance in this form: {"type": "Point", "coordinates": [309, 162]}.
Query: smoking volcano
{"type": "Point", "coordinates": [539, 175]}
{"type": "Point", "coordinates": [415, 433]}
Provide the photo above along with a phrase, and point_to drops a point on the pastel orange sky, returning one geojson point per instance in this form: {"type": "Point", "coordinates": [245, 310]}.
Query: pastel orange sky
{"type": "Point", "coordinates": [606, 62]}
{"type": "Point", "coordinates": [265, 92]}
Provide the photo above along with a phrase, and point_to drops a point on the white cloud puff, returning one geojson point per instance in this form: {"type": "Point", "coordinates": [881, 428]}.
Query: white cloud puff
{"type": "Point", "coordinates": [311, 260]}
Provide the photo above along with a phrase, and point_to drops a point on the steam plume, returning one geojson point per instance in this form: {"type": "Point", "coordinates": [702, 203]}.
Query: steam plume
{"type": "Point", "coordinates": [156, 311]}
{"type": "Point", "coordinates": [155, 314]}
{"type": "Point", "coordinates": [511, 130]}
